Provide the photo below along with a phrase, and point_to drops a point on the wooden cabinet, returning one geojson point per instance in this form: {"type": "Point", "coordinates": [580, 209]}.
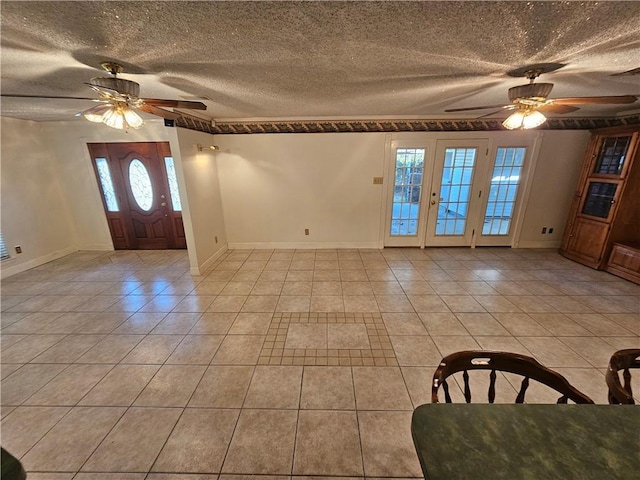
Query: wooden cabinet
{"type": "Point", "coordinates": [606, 206]}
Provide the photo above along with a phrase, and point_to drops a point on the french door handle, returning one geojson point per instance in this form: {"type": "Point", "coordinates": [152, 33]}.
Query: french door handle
{"type": "Point", "coordinates": [163, 204]}
{"type": "Point", "coordinates": [433, 202]}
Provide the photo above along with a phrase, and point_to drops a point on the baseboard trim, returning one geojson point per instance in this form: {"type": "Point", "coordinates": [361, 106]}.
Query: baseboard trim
{"type": "Point", "coordinates": [534, 244]}
{"type": "Point", "coordinates": [100, 247]}
{"type": "Point", "coordinates": [300, 245]}
{"type": "Point", "coordinates": [7, 270]}
{"type": "Point", "coordinates": [209, 261]}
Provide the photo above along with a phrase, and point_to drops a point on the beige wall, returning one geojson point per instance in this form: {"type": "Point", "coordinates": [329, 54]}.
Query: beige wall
{"type": "Point", "coordinates": [35, 210]}
{"type": "Point", "coordinates": [201, 201]}
{"type": "Point", "coordinates": [276, 185]}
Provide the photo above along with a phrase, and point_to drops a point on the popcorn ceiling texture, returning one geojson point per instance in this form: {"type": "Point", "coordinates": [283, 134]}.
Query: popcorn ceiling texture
{"type": "Point", "coordinates": [316, 60]}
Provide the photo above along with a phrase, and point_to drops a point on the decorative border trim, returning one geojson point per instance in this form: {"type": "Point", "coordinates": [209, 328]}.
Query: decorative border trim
{"type": "Point", "coordinates": [350, 126]}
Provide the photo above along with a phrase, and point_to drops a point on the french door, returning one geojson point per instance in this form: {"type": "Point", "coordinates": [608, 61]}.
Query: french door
{"type": "Point", "coordinates": [455, 192]}
{"type": "Point", "coordinates": [140, 194]}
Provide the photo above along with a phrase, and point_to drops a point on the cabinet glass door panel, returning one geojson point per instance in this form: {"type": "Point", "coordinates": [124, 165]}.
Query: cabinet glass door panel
{"type": "Point", "coordinates": [612, 155]}
{"type": "Point", "coordinates": [599, 199]}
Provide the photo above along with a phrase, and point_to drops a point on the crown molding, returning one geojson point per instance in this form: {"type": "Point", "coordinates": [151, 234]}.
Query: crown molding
{"type": "Point", "coordinates": [350, 126]}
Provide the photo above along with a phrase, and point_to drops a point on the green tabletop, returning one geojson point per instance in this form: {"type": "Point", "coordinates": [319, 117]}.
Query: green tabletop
{"type": "Point", "coordinates": [520, 442]}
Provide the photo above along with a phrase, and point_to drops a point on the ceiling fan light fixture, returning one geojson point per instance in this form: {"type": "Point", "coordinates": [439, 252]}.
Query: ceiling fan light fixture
{"type": "Point", "coordinates": [96, 113]}
{"type": "Point", "coordinates": [132, 118]}
{"type": "Point", "coordinates": [524, 119]}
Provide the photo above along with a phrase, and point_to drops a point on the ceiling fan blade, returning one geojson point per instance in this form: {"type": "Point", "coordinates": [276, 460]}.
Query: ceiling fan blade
{"type": "Point", "coordinates": [160, 112]}
{"type": "Point", "coordinates": [508, 107]}
{"type": "Point", "coordinates": [158, 102]}
{"type": "Point", "coordinates": [51, 96]}
{"type": "Point", "coordinates": [561, 109]}
{"type": "Point", "coordinates": [595, 100]}
{"type": "Point", "coordinates": [476, 108]}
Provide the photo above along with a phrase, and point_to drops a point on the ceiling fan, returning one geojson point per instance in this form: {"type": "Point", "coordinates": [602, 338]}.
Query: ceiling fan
{"type": "Point", "coordinates": [119, 100]}
{"type": "Point", "coordinates": [530, 101]}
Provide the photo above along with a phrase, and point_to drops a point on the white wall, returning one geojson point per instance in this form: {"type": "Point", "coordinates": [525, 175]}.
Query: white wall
{"type": "Point", "coordinates": [276, 185]}
{"type": "Point", "coordinates": [554, 182]}
{"type": "Point", "coordinates": [35, 211]}
{"type": "Point", "coordinates": [201, 201]}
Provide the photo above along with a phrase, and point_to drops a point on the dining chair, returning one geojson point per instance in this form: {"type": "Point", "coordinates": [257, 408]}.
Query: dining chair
{"type": "Point", "coordinates": [622, 360]}
{"type": "Point", "coordinates": [516, 363]}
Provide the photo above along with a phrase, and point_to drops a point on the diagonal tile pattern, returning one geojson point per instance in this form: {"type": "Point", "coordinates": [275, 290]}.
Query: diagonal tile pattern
{"type": "Point", "coordinates": [285, 363]}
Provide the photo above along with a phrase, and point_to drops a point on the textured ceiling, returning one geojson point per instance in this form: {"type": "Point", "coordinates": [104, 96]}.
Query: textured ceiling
{"type": "Point", "coordinates": [293, 60]}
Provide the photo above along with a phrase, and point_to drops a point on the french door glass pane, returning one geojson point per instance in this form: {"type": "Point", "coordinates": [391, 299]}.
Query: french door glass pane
{"type": "Point", "coordinates": [407, 191]}
{"type": "Point", "coordinates": [141, 184]}
{"type": "Point", "coordinates": [455, 190]}
{"type": "Point", "coordinates": [107, 185]}
{"type": "Point", "coordinates": [503, 191]}
{"type": "Point", "coordinates": [173, 184]}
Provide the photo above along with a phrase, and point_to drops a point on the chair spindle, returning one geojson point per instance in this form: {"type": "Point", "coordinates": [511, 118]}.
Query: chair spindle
{"type": "Point", "coordinates": [492, 386]}
{"type": "Point", "coordinates": [562, 399]}
{"type": "Point", "coordinates": [445, 387]}
{"type": "Point", "coordinates": [626, 374]}
{"type": "Point", "coordinates": [467, 389]}
{"type": "Point", "coordinates": [523, 390]}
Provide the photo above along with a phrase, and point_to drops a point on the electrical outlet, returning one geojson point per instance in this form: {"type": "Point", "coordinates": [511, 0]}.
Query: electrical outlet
{"type": "Point", "coordinates": [550, 230]}
{"type": "Point", "coordinates": [377, 180]}
{"type": "Point", "coordinates": [544, 229]}
{"type": "Point", "coordinates": [306, 231]}
{"type": "Point", "coordinates": [18, 249]}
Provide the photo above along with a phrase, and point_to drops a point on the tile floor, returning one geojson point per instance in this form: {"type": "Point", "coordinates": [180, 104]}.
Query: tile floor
{"type": "Point", "coordinates": [281, 363]}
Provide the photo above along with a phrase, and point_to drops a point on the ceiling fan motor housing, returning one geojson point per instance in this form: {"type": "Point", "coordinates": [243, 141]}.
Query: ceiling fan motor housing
{"type": "Point", "coordinates": [530, 91]}
{"type": "Point", "coordinates": [120, 85]}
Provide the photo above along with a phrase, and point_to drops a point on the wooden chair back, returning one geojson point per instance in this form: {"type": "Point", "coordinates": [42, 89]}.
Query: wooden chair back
{"type": "Point", "coordinates": [515, 363]}
{"type": "Point", "coordinates": [622, 360]}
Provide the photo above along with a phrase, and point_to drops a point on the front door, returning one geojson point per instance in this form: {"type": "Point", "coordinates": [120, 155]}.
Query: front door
{"type": "Point", "coordinates": [140, 194]}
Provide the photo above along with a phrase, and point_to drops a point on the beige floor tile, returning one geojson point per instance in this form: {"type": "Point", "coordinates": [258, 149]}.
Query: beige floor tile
{"type": "Point", "coordinates": [448, 288]}
{"type": "Point", "coordinates": [327, 443]}
{"type": "Point", "coordinates": [462, 303]}
{"type": "Point", "coordinates": [172, 386]}
{"type": "Point", "coordinates": [360, 303]}
{"type": "Point", "coordinates": [69, 386]}
{"type": "Point", "coordinates": [176, 323]}
{"type": "Point", "coordinates": [208, 288]}
{"type": "Point", "coordinates": [589, 381]}
{"type": "Point", "coordinates": [559, 324]}
{"type": "Point", "coordinates": [418, 381]}
{"type": "Point", "coordinates": [111, 349]}
{"type": "Point", "coordinates": [25, 426]}
{"type": "Point", "coordinates": [8, 368]}
{"type": "Point", "coordinates": [347, 337]}
{"type": "Point", "coordinates": [26, 322]}
{"type": "Point", "coordinates": [68, 445]}
{"type": "Point", "coordinates": [299, 275]}
{"type": "Point", "coordinates": [502, 344]}
{"type": "Point", "coordinates": [445, 323]}
{"type": "Point", "coordinates": [327, 388]}
{"type": "Point", "coordinates": [262, 443]}
{"type": "Point", "coordinates": [415, 351]}
{"type": "Point", "coordinates": [552, 353]}
{"type": "Point", "coordinates": [565, 304]}
{"type": "Point", "coordinates": [301, 335]}
{"type": "Point", "coordinates": [135, 441]}
{"type": "Point", "coordinates": [380, 388]}
{"type": "Point", "coordinates": [196, 350]}
{"type": "Point", "coordinates": [178, 476]}
{"type": "Point", "coordinates": [293, 303]}
{"type": "Point", "coordinates": [162, 303]}
{"type": "Point", "coordinates": [266, 286]}
{"type": "Point", "coordinates": [223, 387]}
{"type": "Point", "coordinates": [66, 323]}
{"type": "Point", "coordinates": [391, 287]}
{"type": "Point", "coordinates": [237, 288]}
{"type": "Point", "coordinates": [593, 349]}
{"type": "Point", "coordinates": [274, 387]}
{"type": "Point", "coordinates": [227, 303]}
{"type": "Point", "coordinates": [297, 287]}
{"type": "Point", "coordinates": [199, 442]}
{"type": "Point", "coordinates": [419, 287]}
{"type": "Point", "coordinates": [428, 303]}
{"type": "Point", "coordinates": [531, 303]}
{"type": "Point", "coordinates": [213, 324]}
{"type": "Point", "coordinates": [68, 349]}
{"type": "Point", "coordinates": [481, 324]}
{"type": "Point", "coordinates": [496, 303]}
{"type": "Point", "coordinates": [448, 344]}
{"type": "Point", "coordinates": [394, 303]}
{"type": "Point", "coordinates": [630, 321]}
{"type": "Point", "coordinates": [26, 381]}
{"type": "Point", "coordinates": [327, 303]}
{"type": "Point", "coordinates": [403, 324]}
{"type": "Point", "coordinates": [356, 287]}
{"type": "Point", "coordinates": [251, 324]}
{"type": "Point", "coordinates": [153, 349]}
{"type": "Point", "coordinates": [29, 348]}
{"type": "Point", "coordinates": [622, 343]}
{"type": "Point", "coordinates": [326, 288]}
{"type": "Point", "coordinates": [260, 303]}
{"type": "Point", "coordinates": [477, 288]}
{"type": "Point", "coordinates": [102, 323]}
{"type": "Point", "coordinates": [51, 476]}
{"type": "Point", "coordinates": [387, 447]}
{"type": "Point", "coordinates": [239, 350]}
{"type": "Point", "coordinates": [600, 325]}
{"type": "Point", "coordinates": [120, 386]}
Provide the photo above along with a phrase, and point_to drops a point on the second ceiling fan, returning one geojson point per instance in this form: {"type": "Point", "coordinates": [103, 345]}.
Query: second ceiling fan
{"type": "Point", "coordinates": [530, 101]}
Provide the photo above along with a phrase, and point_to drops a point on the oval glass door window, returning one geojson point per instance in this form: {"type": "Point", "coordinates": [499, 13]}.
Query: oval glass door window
{"type": "Point", "coordinates": [141, 184]}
